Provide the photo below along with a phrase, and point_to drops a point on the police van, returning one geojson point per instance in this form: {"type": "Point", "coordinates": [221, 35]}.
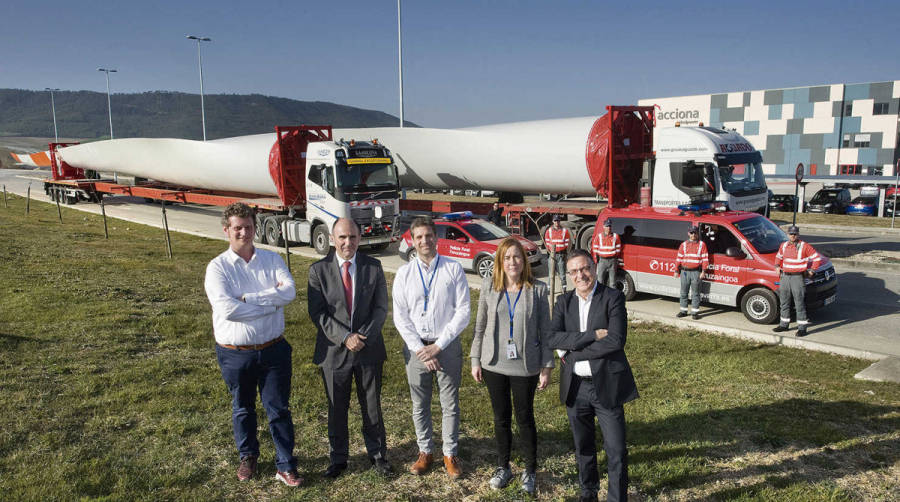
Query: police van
{"type": "Point", "coordinates": [741, 245]}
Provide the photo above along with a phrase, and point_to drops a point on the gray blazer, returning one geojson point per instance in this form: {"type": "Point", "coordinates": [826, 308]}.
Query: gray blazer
{"type": "Point", "coordinates": [536, 354]}
{"type": "Point", "coordinates": [328, 311]}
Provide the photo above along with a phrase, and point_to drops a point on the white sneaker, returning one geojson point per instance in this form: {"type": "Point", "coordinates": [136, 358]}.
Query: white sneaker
{"type": "Point", "coordinates": [500, 478]}
{"type": "Point", "coordinates": [528, 482]}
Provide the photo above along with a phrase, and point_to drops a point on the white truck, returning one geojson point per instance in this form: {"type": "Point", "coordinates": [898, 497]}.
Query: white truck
{"type": "Point", "coordinates": [300, 180]}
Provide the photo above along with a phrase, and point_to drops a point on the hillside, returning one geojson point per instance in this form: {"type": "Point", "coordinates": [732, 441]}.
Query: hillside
{"type": "Point", "coordinates": [83, 114]}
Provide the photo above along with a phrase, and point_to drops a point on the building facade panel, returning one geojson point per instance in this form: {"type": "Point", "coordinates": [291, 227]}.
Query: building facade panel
{"type": "Point", "coordinates": [830, 126]}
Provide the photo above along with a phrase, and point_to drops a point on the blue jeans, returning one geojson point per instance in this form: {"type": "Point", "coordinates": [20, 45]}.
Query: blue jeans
{"type": "Point", "coordinates": [269, 370]}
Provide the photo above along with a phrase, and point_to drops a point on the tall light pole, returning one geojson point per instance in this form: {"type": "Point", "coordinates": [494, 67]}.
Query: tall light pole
{"type": "Point", "coordinates": [400, 59]}
{"type": "Point", "coordinates": [53, 109]}
{"type": "Point", "coordinates": [200, 64]}
{"type": "Point", "coordinates": [108, 102]}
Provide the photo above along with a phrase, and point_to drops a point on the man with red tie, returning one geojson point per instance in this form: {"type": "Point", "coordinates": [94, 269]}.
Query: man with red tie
{"type": "Point", "coordinates": [348, 303]}
{"type": "Point", "coordinates": [794, 261]}
{"type": "Point", "coordinates": [691, 265]}
{"type": "Point", "coordinates": [557, 239]}
{"type": "Point", "coordinates": [606, 250]}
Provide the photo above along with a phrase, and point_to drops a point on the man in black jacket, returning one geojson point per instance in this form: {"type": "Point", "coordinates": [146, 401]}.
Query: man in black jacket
{"type": "Point", "coordinates": [589, 330]}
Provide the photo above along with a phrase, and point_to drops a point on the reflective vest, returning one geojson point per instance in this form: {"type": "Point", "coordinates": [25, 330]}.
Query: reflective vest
{"type": "Point", "coordinates": [793, 259]}
{"type": "Point", "coordinates": [557, 240]}
{"type": "Point", "coordinates": [607, 246]}
{"type": "Point", "coordinates": [692, 255]}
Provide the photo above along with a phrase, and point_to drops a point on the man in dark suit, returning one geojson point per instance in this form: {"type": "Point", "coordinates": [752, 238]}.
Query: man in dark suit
{"type": "Point", "coordinates": [348, 303]}
{"type": "Point", "coordinates": [588, 329]}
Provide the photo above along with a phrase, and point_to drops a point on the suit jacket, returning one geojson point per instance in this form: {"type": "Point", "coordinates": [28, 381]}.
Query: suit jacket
{"type": "Point", "coordinates": [611, 374]}
{"type": "Point", "coordinates": [535, 354]}
{"type": "Point", "coordinates": [328, 311]}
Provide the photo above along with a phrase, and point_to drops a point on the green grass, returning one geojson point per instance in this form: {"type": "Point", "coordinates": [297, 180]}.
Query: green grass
{"type": "Point", "coordinates": [111, 391]}
{"type": "Point", "coordinates": [842, 220]}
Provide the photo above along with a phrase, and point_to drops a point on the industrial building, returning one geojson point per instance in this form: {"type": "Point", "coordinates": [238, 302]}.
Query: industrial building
{"type": "Point", "coordinates": [836, 129]}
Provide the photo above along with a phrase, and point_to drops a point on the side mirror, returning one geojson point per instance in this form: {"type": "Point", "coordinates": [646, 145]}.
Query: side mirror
{"type": "Point", "coordinates": [735, 252]}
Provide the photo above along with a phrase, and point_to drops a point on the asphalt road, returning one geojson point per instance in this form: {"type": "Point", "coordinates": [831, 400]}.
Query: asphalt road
{"type": "Point", "coordinates": [865, 317]}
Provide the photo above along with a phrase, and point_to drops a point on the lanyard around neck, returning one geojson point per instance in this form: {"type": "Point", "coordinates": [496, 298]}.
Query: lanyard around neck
{"type": "Point", "coordinates": [427, 288]}
{"type": "Point", "coordinates": [512, 310]}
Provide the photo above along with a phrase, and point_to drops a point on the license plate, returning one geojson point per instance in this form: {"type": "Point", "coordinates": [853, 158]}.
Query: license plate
{"type": "Point", "coordinates": [830, 299]}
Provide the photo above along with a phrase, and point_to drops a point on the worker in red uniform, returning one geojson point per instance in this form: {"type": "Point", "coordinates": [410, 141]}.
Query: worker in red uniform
{"type": "Point", "coordinates": [691, 265]}
{"type": "Point", "coordinates": [795, 259]}
{"type": "Point", "coordinates": [606, 250]}
{"type": "Point", "coordinates": [557, 239]}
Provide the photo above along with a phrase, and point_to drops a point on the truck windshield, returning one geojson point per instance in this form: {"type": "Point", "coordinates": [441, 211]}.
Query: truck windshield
{"type": "Point", "coordinates": [366, 177]}
{"type": "Point", "coordinates": [737, 178]}
{"type": "Point", "coordinates": [485, 230]}
{"type": "Point", "coordinates": [762, 234]}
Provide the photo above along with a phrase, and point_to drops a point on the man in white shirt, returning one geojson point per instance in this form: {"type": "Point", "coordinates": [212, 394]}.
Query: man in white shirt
{"type": "Point", "coordinates": [589, 330]}
{"type": "Point", "coordinates": [431, 309]}
{"type": "Point", "coordinates": [248, 289]}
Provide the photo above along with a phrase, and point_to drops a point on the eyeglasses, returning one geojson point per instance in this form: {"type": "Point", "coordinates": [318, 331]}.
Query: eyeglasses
{"type": "Point", "coordinates": [585, 269]}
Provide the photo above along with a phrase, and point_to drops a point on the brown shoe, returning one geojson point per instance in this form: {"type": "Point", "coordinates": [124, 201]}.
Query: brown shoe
{"type": "Point", "coordinates": [422, 463]}
{"type": "Point", "coordinates": [451, 464]}
{"type": "Point", "coordinates": [290, 478]}
{"type": "Point", "coordinates": [247, 469]}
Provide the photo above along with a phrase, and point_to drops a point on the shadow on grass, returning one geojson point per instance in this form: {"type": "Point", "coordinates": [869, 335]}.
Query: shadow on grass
{"type": "Point", "coordinates": [8, 341]}
{"type": "Point", "coordinates": [830, 437]}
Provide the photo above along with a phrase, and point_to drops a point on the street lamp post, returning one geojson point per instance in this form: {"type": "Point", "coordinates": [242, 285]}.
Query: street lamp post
{"type": "Point", "coordinates": [200, 65]}
{"type": "Point", "coordinates": [53, 109]}
{"type": "Point", "coordinates": [108, 102]}
{"type": "Point", "coordinates": [400, 59]}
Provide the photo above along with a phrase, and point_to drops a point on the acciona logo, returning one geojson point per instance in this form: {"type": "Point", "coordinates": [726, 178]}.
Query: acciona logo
{"type": "Point", "coordinates": [678, 115]}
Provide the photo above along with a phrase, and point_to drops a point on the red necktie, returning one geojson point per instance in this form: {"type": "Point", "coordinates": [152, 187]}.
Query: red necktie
{"type": "Point", "coordinates": [348, 287]}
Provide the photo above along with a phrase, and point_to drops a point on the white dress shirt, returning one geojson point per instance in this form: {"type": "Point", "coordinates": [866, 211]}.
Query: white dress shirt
{"type": "Point", "coordinates": [247, 306]}
{"type": "Point", "coordinates": [448, 301]}
{"type": "Point", "coordinates": [582, 368]}
{"type": "Point", "coordinates": [352, 280]}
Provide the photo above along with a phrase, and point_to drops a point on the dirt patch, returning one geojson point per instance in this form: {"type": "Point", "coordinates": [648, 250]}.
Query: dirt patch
{"type": "Point", "coordinates": [873, 256]}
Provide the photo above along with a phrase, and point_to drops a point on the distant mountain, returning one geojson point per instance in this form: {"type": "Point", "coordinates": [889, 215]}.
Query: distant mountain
{"type": "Point", "coordinates": [83, 114]}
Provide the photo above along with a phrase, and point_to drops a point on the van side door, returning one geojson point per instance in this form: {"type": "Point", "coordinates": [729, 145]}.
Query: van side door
{"type": "Point", "coordinates": [726, 274]}
{"type": "Point", "coordinates": [650, 247]}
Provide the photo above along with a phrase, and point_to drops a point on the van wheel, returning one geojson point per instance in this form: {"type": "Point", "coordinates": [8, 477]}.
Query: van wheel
{"type": "Point", "coordinates": [484, 266]}
{"type": "Point", "coordinates": [411, 254]}
{"type": "Point", "coordinates": [759, 305]}
{"type": "Point", "coordinates": [320, 240]}
{"type": "Point", "coordinates": [626, 285]}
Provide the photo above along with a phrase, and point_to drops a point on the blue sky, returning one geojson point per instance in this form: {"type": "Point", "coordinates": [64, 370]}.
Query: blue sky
{"type": "Point", "coordinates": [465, 62]}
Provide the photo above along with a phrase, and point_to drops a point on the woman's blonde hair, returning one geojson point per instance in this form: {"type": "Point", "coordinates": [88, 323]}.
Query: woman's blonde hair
{"type": "Point", "coordinates": [499, 281]}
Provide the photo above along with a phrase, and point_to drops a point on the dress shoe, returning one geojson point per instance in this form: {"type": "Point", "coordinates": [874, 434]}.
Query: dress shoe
{"type": "Point", "coordinates": [587, 498]}
{"type": "Point", "coordinates": [780, 328]}
{"type": "Point", "coordinates": [681, 314]}
{"type": "Point", "coordinates": [421, 465]}
{"type": "Point", "coordinates": [382, 467]}
{"type": "Point", "coordinates": [453, 467]}
{"type": "Point", "coordinates": [290, 478]}
{"type": "Point", "coordinates": [695, 317]}
{"type": "Point", "coordinates": [247, 469]}
{"type": "Point", "coordinates": [335, 470]}
{"type": "Point", "coordinates": [801, 330]}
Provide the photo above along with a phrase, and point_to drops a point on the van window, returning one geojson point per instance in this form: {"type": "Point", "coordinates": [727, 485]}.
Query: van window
{"type": "Point", "coordinates": [666, 234]}
{"type": "Point", "coordinates": [718, 238]}
{"type": "Point", "coordinates": [764, 235]}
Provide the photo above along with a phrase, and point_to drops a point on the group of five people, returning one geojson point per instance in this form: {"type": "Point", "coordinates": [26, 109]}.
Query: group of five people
{"type": "Point", "coordinates": [511, 352]}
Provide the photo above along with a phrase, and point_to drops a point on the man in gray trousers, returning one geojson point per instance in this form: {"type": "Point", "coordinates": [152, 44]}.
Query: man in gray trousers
{"type": "Point", "coordinates": [348, 304]}
{"type": "Point", "coordinates": [431, 309]}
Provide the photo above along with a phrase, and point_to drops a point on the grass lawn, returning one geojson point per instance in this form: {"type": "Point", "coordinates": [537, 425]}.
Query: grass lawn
{"type": "Point", "coordinates": [111, 391]}
{"type": "Point", "coordinates": [842, 220]}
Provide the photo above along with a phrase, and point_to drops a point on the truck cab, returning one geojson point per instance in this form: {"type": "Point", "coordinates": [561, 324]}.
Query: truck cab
{"type": "Point", "coordinates": [348, 179]}
{"type": "Point", "coordinates": [707, 164]}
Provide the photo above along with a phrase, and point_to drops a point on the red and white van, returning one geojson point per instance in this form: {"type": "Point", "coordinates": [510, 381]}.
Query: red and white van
{"type": "Point", "coordinates": [742, 248]}
{"type": "Point", "coordinates": [470, 241]}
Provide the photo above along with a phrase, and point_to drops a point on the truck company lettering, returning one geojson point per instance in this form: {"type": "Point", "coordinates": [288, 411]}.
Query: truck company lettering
{"type": "Point", "coordinates": [736, 147]}
{"type": "Point", "coordinates": [678, 115]}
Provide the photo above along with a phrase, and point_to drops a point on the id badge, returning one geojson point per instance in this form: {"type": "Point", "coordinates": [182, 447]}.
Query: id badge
{"type": "Point", "coordinates": [511, 352]}
{"type": "Point", "coordinates": [425, 325]}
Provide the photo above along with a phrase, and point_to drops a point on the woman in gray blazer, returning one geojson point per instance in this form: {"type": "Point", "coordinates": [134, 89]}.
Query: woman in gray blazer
{"type": "Point", "coordinates": [508, 354]}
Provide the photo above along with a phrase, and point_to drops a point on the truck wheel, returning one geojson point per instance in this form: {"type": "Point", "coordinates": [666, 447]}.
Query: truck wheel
{"type": "Point", "coordinates": [587, 235]}
{"type": "Point", "coordinates": [759, 305]}
{"type": "Point", "coordinates": [273, 232]}
{"type": "Point", "coordinates": [259, 234]}
{"type": "Point", "coordinates": [484, 266]}
{"type": "Point", "coordinates": [320, 241]}
{"type": "Point", "coordinates": [626, 284]}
